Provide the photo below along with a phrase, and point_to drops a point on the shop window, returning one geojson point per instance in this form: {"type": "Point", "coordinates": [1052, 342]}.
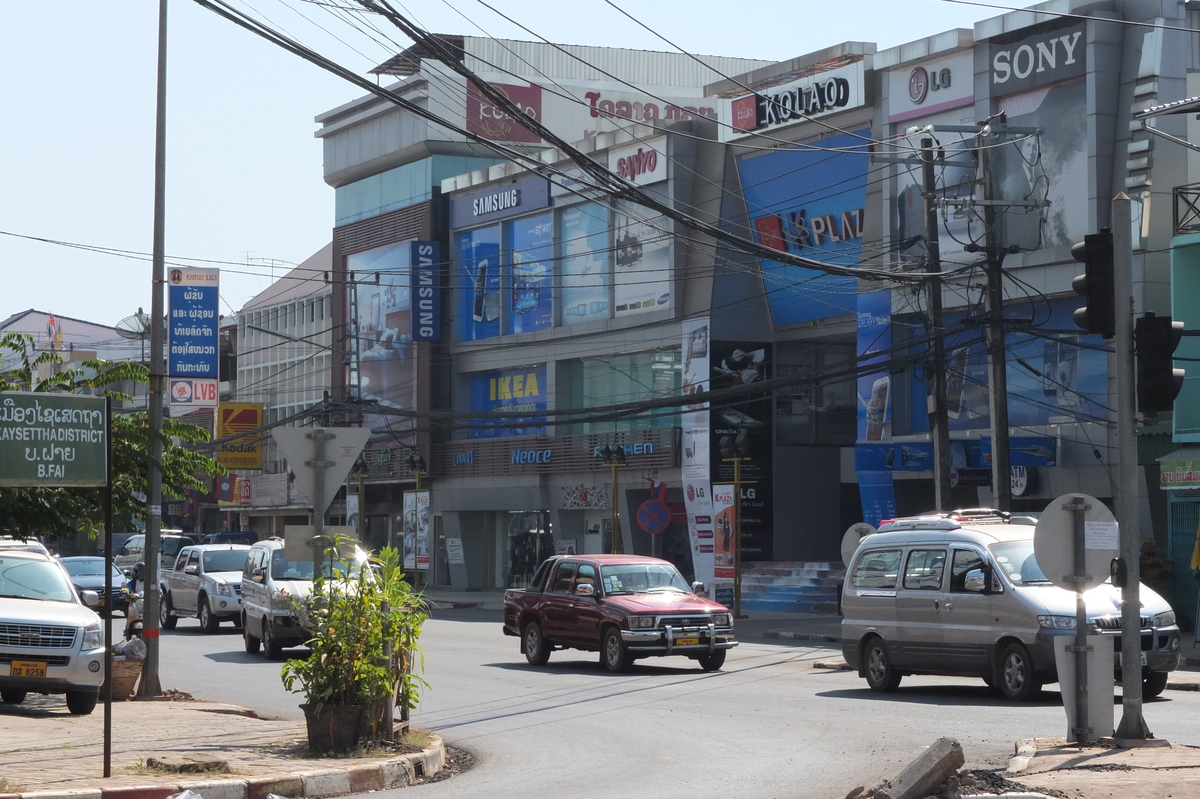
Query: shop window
{"type": "Point", "coordinates": [621, 379]}
{"type": "Point", "coordinates": [530, 541]}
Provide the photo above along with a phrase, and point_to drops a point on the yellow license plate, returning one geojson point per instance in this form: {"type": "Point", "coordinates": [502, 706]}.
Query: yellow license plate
{"type": "Point", "coordinates": [27, 668]}
{"type": "Point", "coordinates": [686, 641]}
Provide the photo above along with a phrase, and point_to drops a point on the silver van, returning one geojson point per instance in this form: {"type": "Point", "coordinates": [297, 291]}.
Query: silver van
{"type": "Point", "coordinates": [935, 595]}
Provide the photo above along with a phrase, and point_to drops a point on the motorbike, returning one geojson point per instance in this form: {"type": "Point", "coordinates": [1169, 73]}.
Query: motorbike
{"type": "Point", "coordinates": [135, 604]}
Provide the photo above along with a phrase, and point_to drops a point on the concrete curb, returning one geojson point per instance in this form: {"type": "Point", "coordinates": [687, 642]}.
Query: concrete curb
{"type": "Point", "coordinates": [396, 772]}
{"type": "Point", "coordinates": [1023, 753]}
{"type": "Point", "coordinates": [793, 636]}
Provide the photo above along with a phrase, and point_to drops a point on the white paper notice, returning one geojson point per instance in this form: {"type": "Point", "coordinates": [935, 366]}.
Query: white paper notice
{"type": "Point", "coordinates": [1100, 535]}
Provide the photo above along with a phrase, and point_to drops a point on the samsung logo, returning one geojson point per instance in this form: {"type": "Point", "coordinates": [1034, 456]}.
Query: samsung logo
{"type": "Point", "coordinates": [500, 201]}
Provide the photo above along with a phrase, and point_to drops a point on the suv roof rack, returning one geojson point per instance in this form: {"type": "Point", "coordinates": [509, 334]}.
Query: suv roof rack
{"type": "Point", "coordinates": [922, 522]}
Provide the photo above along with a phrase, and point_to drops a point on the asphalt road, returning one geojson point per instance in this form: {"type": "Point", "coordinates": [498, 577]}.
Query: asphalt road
{"type": "Point", "coordinates": [767, 725]}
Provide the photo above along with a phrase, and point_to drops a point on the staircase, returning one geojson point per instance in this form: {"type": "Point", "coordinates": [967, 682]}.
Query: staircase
{"type": "Point", "coordinates": [791, 587]}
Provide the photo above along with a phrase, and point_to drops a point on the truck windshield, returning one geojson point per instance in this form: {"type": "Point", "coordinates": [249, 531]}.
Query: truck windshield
{"type": "Point", "coordinates": [642, 578]}
{"type": "Point", "coordinates": [225, 560]}
{"type": "Point", "coordinates": [1019, 563]}
{"type": "Point", "coordinates": [21, 578]}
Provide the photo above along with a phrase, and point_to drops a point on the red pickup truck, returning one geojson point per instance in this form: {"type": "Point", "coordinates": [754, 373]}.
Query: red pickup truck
{"type": "Point", "coordinates": [623, 606]}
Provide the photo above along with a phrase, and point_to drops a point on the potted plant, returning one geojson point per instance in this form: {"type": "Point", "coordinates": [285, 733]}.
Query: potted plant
{"type": "Point", "coordinates": [363, 621]}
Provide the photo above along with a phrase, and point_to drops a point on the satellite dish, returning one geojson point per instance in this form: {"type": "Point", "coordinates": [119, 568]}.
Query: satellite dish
{"type": "Point", "coordinates": [136, 327]}
{"type": "Point", "coordinates": [851, 538]}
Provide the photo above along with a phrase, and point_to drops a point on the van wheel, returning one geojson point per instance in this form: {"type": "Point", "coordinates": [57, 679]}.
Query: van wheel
{"type": "Point", "coordinates": [1017, 680]}
{"type": "Point", "coordinates": [12, 696]}
{"type": "Point", "coordinates": [537, 651]}
{"type": "Point", "coordinates": [1154, 684]}
{"type": "Point", "coordinates": [271, 648]}
{"type": "Point", "coordinates": [252, 642]}
{"type": "Point", "coordinates": [877, 664]}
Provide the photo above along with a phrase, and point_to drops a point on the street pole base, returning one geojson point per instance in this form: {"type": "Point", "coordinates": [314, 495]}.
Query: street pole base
{"type": "Point", "coordinates": [1132, 728]}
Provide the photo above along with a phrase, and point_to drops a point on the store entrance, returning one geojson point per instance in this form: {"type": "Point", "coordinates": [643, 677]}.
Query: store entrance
{"type": "Point", "coordinates": [527, 541]}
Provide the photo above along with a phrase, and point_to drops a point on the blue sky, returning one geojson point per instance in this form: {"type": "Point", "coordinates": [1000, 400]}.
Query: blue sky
{"type": "Point", "coordinates": [243, 169]}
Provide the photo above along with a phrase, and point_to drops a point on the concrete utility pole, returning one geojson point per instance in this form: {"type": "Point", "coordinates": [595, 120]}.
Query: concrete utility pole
{"type": "Point", "coordinates": [939, 424]}
{"type": "Point", "coordinates": [997, 358]}
{"type": "Point", "coordinates": [149, 684]}
{"type": "Point", "coordinates": [1132, 725]}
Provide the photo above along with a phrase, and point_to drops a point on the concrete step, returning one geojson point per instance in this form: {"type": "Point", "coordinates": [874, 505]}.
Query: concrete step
{"type": "Point", "coordinates": [789, 605]}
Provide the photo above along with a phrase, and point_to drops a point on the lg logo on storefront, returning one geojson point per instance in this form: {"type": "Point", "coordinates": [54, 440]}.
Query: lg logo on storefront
{"type": "Point", "coordinates": [921, 82]}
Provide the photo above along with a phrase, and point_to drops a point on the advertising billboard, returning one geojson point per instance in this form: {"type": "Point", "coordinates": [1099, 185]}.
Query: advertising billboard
{"type": "Point", "coordinates": [641, 260]}
{"type": "Point", "coordinates": [531, 272]}
{"type": "Point", "coordinates": [477, 283]}
{"type": "Point", "coordinates": [874, 347]}
{"type": "Point", "coordinates": [192, 336]}
{"type": "Point", "coordinates": [519, 392]}
{"type": "Point", "coordinates": [583, 233]}
{"type": "Point", "coordinates": [383, 327]}
{"type": "Point", "coordinates": [810, 201]}
{"type": "Point", "coordinates": [243, 419]}
{"type": "Point", "coordinates": [1053, 378]}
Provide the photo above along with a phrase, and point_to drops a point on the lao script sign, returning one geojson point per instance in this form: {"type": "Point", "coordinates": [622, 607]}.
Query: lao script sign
{"type": "Point", "coordinates": [51, 440]}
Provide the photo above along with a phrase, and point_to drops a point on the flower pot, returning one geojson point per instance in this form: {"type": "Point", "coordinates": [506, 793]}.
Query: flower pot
{"type": "Point", "coordinates": [334, 728]}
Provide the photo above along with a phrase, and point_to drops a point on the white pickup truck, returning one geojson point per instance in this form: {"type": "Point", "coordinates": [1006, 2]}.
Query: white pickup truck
{"type": "Point", "coordinates": [205, 582]}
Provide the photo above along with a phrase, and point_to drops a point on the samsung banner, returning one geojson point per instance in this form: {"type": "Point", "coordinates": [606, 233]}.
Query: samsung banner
{"type": "Point", "coordinates": [192, 341]}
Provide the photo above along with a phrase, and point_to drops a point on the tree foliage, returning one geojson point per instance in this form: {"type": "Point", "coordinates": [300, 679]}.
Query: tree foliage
{"type": "Point", "coordinates": [54, 511]}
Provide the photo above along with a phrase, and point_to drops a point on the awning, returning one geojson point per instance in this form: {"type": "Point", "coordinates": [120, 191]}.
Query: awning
{"type": "Point", "coordinates": [1179, 469]}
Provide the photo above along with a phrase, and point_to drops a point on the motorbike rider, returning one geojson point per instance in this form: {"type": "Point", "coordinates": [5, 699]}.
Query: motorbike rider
{"type": "Point", "coordinates": [134, 588]}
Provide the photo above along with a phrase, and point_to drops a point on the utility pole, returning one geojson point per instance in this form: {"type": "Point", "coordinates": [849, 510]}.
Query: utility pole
{"type": "Point", "coordinates": [1132, 725]}
{"type": "Point", "coordinates": [997, 362]}
{"type": "Point", "coordinates": [149, 684]}
{"type": "Point", "coordinates": [938, 421]}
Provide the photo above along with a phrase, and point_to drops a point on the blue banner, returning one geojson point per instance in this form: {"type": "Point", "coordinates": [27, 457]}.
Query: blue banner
{"type": "Point", "coordinates": [531, 264]}
{"type": "Point", "coordinates": [426, 287]}
{"type": "Point", "coordinates": [520, 392]}
{"type": "Point", "coordinates": [874, 345]}
{"type": "Point", "coordinates": [477, 264]}
{"type": "Point", "coordinates": [809, 201]}
{"type": "Point", "coordinates": [192, 330]}
{"type": "Point", "coordinates": [878, 495]}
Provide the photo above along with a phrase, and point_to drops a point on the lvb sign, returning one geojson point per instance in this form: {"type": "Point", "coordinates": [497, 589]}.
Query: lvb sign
{"type": "Point", "coordinates": [51, 440]}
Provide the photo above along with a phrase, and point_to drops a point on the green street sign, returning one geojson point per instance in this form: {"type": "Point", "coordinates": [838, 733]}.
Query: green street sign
{"type": "Point", "coordinates": [52, 440]}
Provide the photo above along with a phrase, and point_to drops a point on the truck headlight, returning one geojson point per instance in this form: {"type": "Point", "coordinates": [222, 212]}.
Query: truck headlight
{"type": "Point", "coordinates": [1057, 622]}
{"type": "Point", "coordinates": [1163, 619]}
{"type": "Point", "coordinates": [282, 601]}
{"type": "Point", "coordinates": [721, 619]}
{"type": "Point", "coordinates": [93, 636]}
{"type": "Point", "coordinates": [223, 589]}
{"type": "Point", "coordinates": [641, 622]}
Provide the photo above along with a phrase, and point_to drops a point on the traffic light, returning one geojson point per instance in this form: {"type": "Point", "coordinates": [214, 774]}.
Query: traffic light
{"type": "Point", "coordinates": [1096, 284]}
{"type": "Point", "coordinates": [1158, 383]}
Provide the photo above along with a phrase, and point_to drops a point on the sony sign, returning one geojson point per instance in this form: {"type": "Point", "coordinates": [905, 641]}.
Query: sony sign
{"type": "Point", "coordinates": [1039, 60]}
{"type": "Point", "coordinates": [426, 285]}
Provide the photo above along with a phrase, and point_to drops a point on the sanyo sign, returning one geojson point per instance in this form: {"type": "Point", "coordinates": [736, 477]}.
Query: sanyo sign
{"type": "Point", "coordinates": [642, 163]}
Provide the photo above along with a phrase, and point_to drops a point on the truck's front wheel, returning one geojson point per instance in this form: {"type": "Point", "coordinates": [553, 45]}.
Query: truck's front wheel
{"type": "Point", "coordinates": [613, 653]}
{"type": "Point", "coordinates": [537, 651]}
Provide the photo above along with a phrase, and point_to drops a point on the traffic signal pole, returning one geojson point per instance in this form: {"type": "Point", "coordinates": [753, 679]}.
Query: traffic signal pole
{"type": "Point", "coordinates": [1132, 725]}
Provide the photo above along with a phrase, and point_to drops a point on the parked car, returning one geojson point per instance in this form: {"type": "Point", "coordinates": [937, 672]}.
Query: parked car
{"type": "Point", "coordinates": [52, 641]}
{"type": "Point", "coordinates": [30, 544]}
{"type": "Point", "coordinates": [205, 582]}
{"type": "Point", "coordinates": [623, 606]}
{"type": "Point", "coordinates": [134, 550]}
{"type": "Point", "coordinates": [87, 574]}
{"type": "Point", "coordinates": [246, 537]}
{"type": "Point", "coordinates": [935, 595]}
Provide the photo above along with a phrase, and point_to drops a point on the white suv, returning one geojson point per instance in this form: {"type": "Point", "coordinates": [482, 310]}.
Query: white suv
{"type": "Point", "coordinates": [50, 642]}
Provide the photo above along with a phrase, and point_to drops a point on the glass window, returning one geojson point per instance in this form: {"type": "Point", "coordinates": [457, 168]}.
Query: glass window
{"type": "Point", "coordinates": [964, 560]}
{"type": "Point", "coordinates": [563, 577]}
{"type": "Point", "coordinates": [877, 569]}
{"type": "Point", "coordinates": [586, 575]}
{"type": "Point", "coordinates": [598, 382]}
{"type": "Point", "coordinates": [1019, 563]}
{"type": "Point", "coordinates": [530, 541]}
{"type": "Point", "coordinates": [924, 569]}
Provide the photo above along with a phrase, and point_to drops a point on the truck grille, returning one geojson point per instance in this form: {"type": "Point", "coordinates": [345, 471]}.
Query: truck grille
{"type": "Point", "coordinates": [41, 636]}
{"type": "Point", "coordinates": [1114, 622]}
{"type": "Point", "coordinates": [683, 621]}
{"type": "Point", "coordinates": [237, 589]}
{"type": "Point", "coordinates": [49, 660]}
